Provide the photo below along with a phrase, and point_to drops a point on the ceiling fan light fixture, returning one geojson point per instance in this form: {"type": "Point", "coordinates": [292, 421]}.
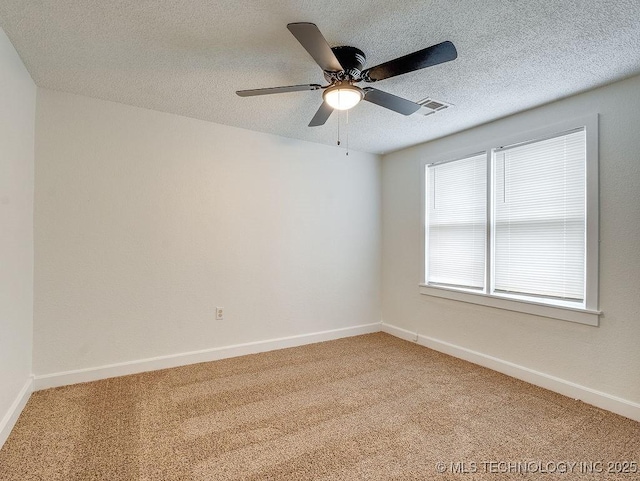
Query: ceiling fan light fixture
{"type": "Point", "coordinates": [342, 68]}
{"type": "Point", "coordinates": [343, 96]}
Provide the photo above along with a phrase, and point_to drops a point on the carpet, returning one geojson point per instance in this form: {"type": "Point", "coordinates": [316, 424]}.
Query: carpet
{"type": "Point", "coordinates": [370, 407]}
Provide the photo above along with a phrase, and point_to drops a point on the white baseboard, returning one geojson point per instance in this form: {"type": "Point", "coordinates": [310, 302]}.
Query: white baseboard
{"type": "Point", "coordinates": [11, 416]}
{"type": "Point", "coordinates": [66, 378]}
{"type": "Point", "coordinates": [600, 399]}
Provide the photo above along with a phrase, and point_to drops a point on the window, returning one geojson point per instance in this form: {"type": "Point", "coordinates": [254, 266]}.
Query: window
{"type": "Point", "coordinates": [515, 226]}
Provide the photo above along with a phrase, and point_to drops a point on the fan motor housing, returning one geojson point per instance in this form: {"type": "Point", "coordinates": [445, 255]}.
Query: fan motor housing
{"type": "Point", "coordinates": [352, 60]}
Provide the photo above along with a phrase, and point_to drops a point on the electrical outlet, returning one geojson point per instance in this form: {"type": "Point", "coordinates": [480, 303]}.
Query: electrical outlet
{"type": "Point", "coordinates": [219, 313]}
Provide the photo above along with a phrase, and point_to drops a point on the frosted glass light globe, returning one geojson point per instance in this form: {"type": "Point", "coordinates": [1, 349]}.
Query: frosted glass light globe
{"type": "Point", "coordinates": [343, 96]}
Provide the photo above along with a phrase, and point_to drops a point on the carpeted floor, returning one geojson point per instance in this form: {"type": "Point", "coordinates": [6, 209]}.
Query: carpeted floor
{"type": "Point", "coordinates": [369, 407]}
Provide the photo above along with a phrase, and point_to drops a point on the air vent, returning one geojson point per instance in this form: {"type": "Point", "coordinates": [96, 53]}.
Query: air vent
{"type": "Point", "coordinates": [431, 106]}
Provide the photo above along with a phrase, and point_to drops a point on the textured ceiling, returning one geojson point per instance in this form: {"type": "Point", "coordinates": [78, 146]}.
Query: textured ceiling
{"type": "Point", "coordinates": [189, 56]}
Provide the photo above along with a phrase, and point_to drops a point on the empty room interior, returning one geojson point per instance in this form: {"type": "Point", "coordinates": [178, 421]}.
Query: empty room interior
{"type": "Point", "coordinates": [299, 240]}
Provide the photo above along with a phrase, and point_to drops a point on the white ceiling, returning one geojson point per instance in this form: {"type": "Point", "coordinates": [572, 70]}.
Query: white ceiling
{"type": "Point", "coordinates": [189, 56]}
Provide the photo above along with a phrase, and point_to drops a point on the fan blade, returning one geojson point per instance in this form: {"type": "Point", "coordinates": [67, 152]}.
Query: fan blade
{"type": "Point", "coordinates": [321, 115]}
{"type": "Point", "coordinates": [313, 42]}
{"type": "Point", "coordinates": [391, 102]}
{"type": "Point", "coordinates": [278, 90]}
{"type": "Point", "coordinates": [434, 55]}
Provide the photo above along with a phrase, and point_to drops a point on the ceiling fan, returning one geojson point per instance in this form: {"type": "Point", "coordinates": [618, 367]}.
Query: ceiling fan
{"type": "Point", "coordinates": [342, 67]}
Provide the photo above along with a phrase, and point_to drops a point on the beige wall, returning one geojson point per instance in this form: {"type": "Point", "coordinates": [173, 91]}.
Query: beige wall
{"type": "Point", "coordinates": [146, 221]}
{"type": "Point", "coordinates": [17, 113]}
{"type": "Point", "coordinates": [605, 358]}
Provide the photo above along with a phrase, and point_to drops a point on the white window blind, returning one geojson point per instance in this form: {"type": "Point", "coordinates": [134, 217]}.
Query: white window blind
{"type": "Point", "coordinates": [456, 213]}
{"type": "Point", "coordinates": [539, 218]}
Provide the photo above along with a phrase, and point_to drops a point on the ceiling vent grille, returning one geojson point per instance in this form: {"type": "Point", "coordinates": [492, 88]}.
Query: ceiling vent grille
{"type": "Point", "coordinates": [431, 106]}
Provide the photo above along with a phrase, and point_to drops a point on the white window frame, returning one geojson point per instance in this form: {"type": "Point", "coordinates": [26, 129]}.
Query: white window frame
{"type": "Point", "coordinates": [589, 313]}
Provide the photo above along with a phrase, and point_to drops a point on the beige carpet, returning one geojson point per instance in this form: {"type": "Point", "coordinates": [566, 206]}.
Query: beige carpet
{"type": "Point", "coordinates": [370, 407]}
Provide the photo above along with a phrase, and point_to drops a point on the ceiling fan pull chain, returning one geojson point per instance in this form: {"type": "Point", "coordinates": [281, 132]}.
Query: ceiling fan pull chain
{"type": "Point", "coordinates": [339, 128]}
{"type": "Point", "coordinates": [347, 132]}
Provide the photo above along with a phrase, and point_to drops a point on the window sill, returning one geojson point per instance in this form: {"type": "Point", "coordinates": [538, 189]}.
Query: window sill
{"type": "Point", "coordinates": [582, 316]}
